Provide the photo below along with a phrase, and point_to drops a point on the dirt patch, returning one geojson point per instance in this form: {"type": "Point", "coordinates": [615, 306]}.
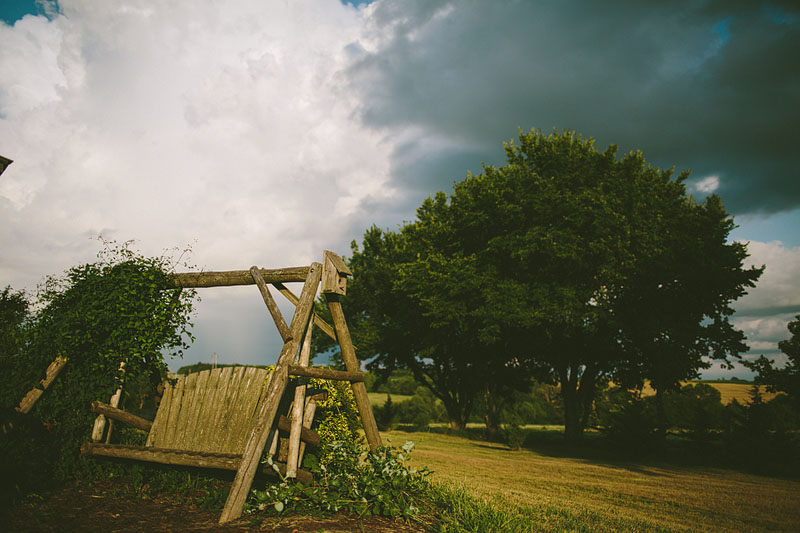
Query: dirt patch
{"type": "Point", "coordinates": [97, 508]}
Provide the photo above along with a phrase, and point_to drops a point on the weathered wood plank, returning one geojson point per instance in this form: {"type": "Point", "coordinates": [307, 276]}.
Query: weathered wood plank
{"type": "Point", "coordinates": [162, 414]}
{"type": "Point", "coordinates": [218, 409]}
{"type": "Point", "coordinates": [187, 405]}
{"type": "Point", "coordinates": [351, 362]}
{"type": "Point", "coordinates": [277, 317]}
{"type": "Point", "coordinates": [191, 437]}
{"type": "Point", "coordinates": [231, 401]}
{"type": "Point", "coordinates": [170, 423]}
{"type": "Point", "coordinates": [325, 373]}
{"type": "Point", "coordinates": [277, 383]}
{"type": "Point", "coordinates": [326, 328]}
{"type": "Point", "coordinates": [207, 428]}
{"type": "Point", "coordinates": [122, 416]}
{"type": "Point", "coordinates": [247, 403]}
{"type": "Point", "coordinates": [235, 277]}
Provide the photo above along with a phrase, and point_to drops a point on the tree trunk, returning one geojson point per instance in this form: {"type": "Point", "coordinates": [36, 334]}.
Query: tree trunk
{"type": "Point", "coordinates": [661, 415]}
{"type": "Point", "coordinates": [573, 430]}
{"type": "Point", "coordinates": [456, 413]}
{"type": "Point", "coordinates": [457, 424]}
{"type": "Point", "coordinates": [492, 416]}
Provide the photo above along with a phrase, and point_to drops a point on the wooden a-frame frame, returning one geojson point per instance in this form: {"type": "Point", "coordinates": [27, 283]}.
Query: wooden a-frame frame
{"type": "Point", "coordinates": [332, 274]}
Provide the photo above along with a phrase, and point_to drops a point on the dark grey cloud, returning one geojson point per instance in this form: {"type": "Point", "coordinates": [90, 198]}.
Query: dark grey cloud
{"type": "Point", "coordinates": [708, 86]}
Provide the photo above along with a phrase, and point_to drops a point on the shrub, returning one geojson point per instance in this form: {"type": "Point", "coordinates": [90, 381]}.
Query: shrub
{"type": "Point", "coordinates": [628, 419]}
{"type": "Point", "coordinates": [97, 315]}
{"type": "Point", "coordinates": [420, 410]}
{"type": "Point", "coordinates": [380, 483]}
{"type": "Point", "coordinates": [385, 414]}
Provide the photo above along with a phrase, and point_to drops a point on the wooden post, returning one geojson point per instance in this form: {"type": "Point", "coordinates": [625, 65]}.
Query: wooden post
{"type": "Point", "coordinates": [275, 386]}
{"type": "Point", "coordinates": [283, 329]}
{"type": "Point", "coordinates": [52, 372]}
{"type": "Point", "coordinates": [308, 420]}
{"type": "Point", "coordinates": [100, 421]}
{"type": "Point", "coordinates": [298, 407]}
{"type": "Point", "coordinates": [351, 362]}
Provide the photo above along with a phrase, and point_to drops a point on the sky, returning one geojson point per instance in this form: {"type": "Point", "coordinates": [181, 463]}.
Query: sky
{"type": "Point", "coordinates": [262, 133]}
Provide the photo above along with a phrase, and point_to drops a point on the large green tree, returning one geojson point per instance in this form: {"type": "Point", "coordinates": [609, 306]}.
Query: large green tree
{"type": "Point", "coordinates": [535, 269]}
{"type": "Point", "coordinates": [674, 308]}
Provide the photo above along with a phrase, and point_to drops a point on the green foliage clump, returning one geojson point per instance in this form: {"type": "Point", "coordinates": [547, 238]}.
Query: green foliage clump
{"type": "Point", "coordinates": [337, 418]}
{"type": "Point", "coordinates": [117, 310]}
{"type": "Point", "coordinates": [380, 483]}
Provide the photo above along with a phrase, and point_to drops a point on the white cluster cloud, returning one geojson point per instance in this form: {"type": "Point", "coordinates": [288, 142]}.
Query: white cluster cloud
{"type": "Point", "coordinates": [765, 311]}
{"type": "Point", "coordinates": [779, 286]}
{"type": "Point", "coordinates": [173, 122]}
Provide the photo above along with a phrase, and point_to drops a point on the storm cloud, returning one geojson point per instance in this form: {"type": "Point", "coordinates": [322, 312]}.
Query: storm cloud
{"type": "Point", "coordinates": [706, 86]}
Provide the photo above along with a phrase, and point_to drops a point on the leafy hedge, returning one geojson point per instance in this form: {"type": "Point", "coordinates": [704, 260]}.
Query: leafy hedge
{"type": "Point", "coordinates": [97, 315]}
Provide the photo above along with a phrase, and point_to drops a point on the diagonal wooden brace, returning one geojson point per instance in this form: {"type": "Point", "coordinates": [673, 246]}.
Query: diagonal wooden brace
{"type": "Point", "coordinates": [274, 390]}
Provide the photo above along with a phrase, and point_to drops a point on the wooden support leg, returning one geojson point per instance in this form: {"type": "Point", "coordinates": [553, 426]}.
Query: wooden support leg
{"type": "Point", "coordinates": [298, 407]}
{"type": "Point", "coordinates": [308, 420]}
{"type": "Point", "coordinates": [52, 372]}
{"type": "Point", "coordinates": [100, 422]}
{"type": "Point", "coordinates": [269, 408]}
{"type": "Point", "coordinates": [351, 362]}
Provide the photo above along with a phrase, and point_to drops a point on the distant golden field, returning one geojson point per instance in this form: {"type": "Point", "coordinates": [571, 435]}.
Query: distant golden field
{"type": "Point", "coordinates": [729, 391]}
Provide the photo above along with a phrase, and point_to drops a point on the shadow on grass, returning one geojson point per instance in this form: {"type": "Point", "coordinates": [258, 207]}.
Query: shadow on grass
{"type": "Point", "coordinates": [776, 456]}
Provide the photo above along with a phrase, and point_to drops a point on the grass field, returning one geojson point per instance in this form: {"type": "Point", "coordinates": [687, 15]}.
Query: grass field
{"type": "Point", "coordinates": [379, 398]}
{"type": "Point", "coordinates": [554, 491]}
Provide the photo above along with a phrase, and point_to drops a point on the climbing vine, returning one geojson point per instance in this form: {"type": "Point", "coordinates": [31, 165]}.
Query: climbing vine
{"type": "Point", "coordinates": [97, 315]}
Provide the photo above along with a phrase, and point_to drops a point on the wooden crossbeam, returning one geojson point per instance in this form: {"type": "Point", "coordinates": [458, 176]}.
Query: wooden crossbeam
{"type": "Point", "coordinates": [235, 277]}
{"type": "Point", "coordinates": [325, 373]}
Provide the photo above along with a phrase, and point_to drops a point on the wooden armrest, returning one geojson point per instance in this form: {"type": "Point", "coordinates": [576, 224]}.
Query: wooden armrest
{"type": "Point", "coordinates": [122, 416]}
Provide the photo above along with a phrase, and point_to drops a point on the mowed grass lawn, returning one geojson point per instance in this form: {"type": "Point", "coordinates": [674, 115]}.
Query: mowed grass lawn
{"type": "Point", "coordinates": [561, 493]}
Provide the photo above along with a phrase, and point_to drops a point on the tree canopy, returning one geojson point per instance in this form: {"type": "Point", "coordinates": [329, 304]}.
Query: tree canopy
{"type": "Point", "coordinates": [567, 264]}
{"type": "Point", "coordinates": [786, 378]}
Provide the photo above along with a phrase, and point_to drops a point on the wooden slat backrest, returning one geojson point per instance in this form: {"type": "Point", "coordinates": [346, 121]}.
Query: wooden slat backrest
{"type": "Point", "coordinates": [209, 411]}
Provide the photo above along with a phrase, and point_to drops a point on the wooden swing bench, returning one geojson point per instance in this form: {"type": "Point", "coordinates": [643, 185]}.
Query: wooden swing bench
{"type": "Point", "coordinates": [203, 420]}
{"type": "Point", "coordinates": [225, 418]}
